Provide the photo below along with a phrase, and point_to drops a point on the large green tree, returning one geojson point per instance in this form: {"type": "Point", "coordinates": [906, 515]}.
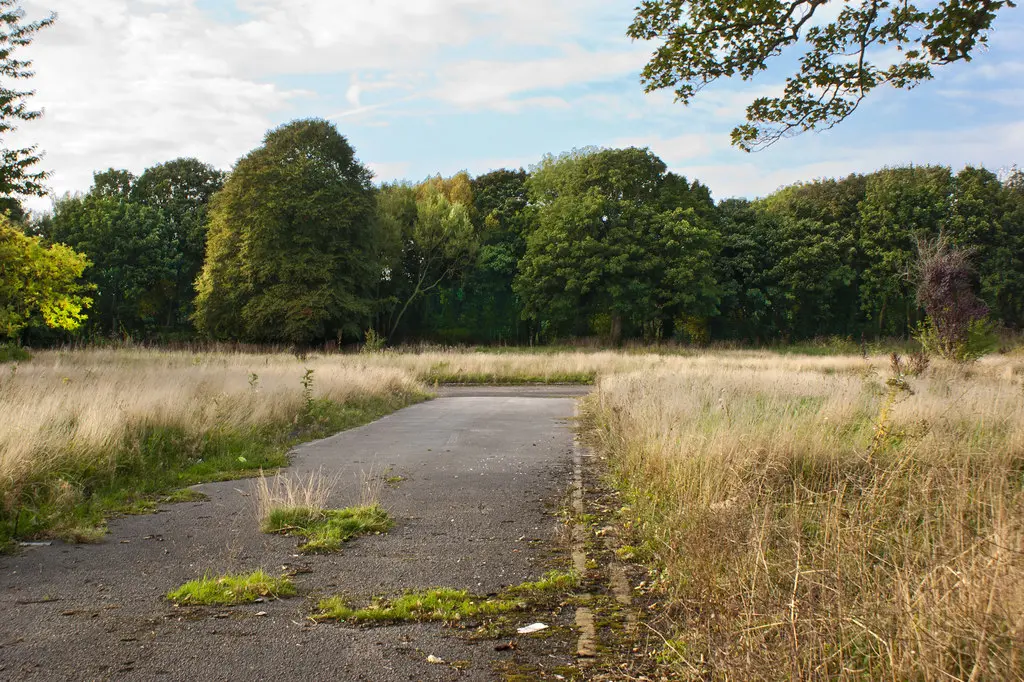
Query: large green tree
{"type": "Point", "coordinates": [785, 269]}
{"type": "Point", "coordinates": [812, 277]}
{"type": "Point", "coordinates": [608, 247]}
{"type": "Point", "coordinates": [292, 251]}
{"type": "Point", "coordinates": [480, 305]}
{"type": "Point", "coordinates": [132, 259]}
{"type": "Point", "coordinates": [844, 57]}
{"type": "Point", "coordinates": [181, 189]}
{"type": "Point", "coordinates": [434, 242]}
{"type": "Point", "coordinates": [113, 183]}
{"type": "Point", "coordinates": [17, 176]}
{"type": "Point", "coordinates": [747, 307]}
{"type": "Point", "coordinates": [1003, 283]}
{"type": "Point", "coordinates": [39, 285]}
{"type": "Point", "coordinates": [146, 239]}
{"type": "Point", "coordinates": [818, 261]}
{"type": "Point", "coordinates": [986, 218]}
{"type": "Point", "coordinates": [836, 257]}
{"type": "Point", "coordinates": [901, 207]}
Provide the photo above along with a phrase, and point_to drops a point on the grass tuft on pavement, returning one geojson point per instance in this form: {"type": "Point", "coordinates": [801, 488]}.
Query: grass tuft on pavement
{"type": "Point", "coordinates": [551, 583]}
{"type": "Point", "coordinates": [325, 530]}
{"type": "Point", "coordinates": [448, 605]}
{"type": "Point", "coordinates": [439, 604]}
{"type": "Point", "coordinates": [230, 590]}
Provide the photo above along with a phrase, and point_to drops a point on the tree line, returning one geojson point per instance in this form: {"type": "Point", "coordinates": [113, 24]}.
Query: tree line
{"type": "Point", "coordinates": [297, 245]}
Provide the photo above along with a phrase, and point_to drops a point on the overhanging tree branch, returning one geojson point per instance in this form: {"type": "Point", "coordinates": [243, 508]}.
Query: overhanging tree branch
{"type": "Point", "coordinates": [16, 175]}
{"type": "Point", "coordinates": [702, 41]}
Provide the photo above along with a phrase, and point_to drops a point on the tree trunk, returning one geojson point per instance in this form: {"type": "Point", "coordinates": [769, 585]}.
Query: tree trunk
{"type": "Point", "coordinates": [616, 331]}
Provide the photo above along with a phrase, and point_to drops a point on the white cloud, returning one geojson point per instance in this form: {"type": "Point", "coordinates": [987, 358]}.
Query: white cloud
{"type": "Point", "coordinates": [130, 83]}
{"type": "Point", "coordinates": [1008, 97]}
{"type": "Point", "coordinates": [494, 84]}
{"type": "Point", "coordinates": [1005, 70]}
{"type": "Point", "coordinates": [674, 150]}
{"type": "Point", "coordinates": [727, 102]}
{"type": "Point", "coordinates": [322, 35]}
{"type": "Point", "coordinates": [389, 170]}
{"type": "Point", "coordinates": [513, 106]}
{"type": "Point", "coordinates": [354, 93]}
{"type": "Point", "coordinates": [127, 86]}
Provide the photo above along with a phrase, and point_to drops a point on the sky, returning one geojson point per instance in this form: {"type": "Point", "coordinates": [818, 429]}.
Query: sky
{"type": "Point", "coordinates": [437, 86]}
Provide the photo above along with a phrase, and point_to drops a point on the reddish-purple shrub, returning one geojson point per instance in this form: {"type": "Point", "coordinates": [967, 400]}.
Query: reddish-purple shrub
{"type": "Point", "coordinates": [945, 290]}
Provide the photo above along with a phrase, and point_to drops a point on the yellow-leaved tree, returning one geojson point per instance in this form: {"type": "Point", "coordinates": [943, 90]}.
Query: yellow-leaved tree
{"type": "Point", "coordinates": [39, 284]}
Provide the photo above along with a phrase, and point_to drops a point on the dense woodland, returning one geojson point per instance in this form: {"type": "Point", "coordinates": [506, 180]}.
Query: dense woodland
{"type": "Point", "coordinates": [296, 245]}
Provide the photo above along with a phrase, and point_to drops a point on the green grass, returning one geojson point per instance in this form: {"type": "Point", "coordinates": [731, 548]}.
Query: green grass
{"type": "Point", "coordinates": [12, 353]}
{"type": "Point", "coordinates": [551, 583]}
{"type": "Point", "coordinates": [183, 495]}
{"type": "Point", "coordinates": [149, 505]}
{"type": "Point", "coordinates": [325, 530]}
{"type": "Point", "coordinates": [230, 590]}
{"type": "Point", "coordinates": [438, 604]}
{"type": "Point", "coordinates": [155, 460]}
{"type": "Point", "coordinates": [448, 605]}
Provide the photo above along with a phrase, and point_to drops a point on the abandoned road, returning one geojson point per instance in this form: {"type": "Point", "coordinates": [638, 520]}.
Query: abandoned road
{"type": "Point", "coordinates": [474, 478]}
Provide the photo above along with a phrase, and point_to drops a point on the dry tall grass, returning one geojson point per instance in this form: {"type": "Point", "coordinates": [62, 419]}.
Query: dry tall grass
{"type": "Point", "coordinates": [550, 366]}
{"type": "Point", "coordinates": [819, 522]}
{"type": "Point", "coordinates": [815, 521]}
{"type": "Point", "coordinates": [77, 410]}
{"type": "Point", "coordinates": [81, 405]}
{"type": "Point", "coordinates": [456, 366]}
{"type": "Point", "coordinates": [311, 492]}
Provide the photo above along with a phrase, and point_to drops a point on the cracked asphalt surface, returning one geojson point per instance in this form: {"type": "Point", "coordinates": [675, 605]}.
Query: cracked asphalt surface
{"type": "Point", "coordinates": [484, 471]}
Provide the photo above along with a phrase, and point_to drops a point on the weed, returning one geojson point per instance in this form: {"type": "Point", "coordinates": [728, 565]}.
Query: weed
{"type": "Point", "coordinates": [829, 525]}
{"type": "Point", "coordinates": [325, 530]}
{"type": "Point", "coordinates": [448, 605]}
{"type": "Point", "coordinates": [307, 396]}
{"type": "Point", "coordinates": [284, 492]}
{"type": "Point", "coordinates": [183, 495]}
{"type": "Point", "coordinates": [551, 583]}
{"type": "Point", "coordinates": [374, 342]}
{"type": "Point", "coordinates": [917, 363]}
{"type": "Point", "coordinates": [371, 485]}
{"type": "Point", "coordinates": [391, 479]}
{"type": "Point", "coordinates": [642, 553]}
{"type": "Point", "coordinates": [83, 533]}
{"type": "Point", "coordinates": [136, 506]}
{"type": "Point", "coordinates": [230, 590]}
{"type": "Point", "coordinates": [429, 605]}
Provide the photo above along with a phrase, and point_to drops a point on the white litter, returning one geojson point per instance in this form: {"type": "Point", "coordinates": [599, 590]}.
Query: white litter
{"type": "Point", "coordinates": [530, 629]}
{"type": "Point", "coordinates": [434, 659]}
